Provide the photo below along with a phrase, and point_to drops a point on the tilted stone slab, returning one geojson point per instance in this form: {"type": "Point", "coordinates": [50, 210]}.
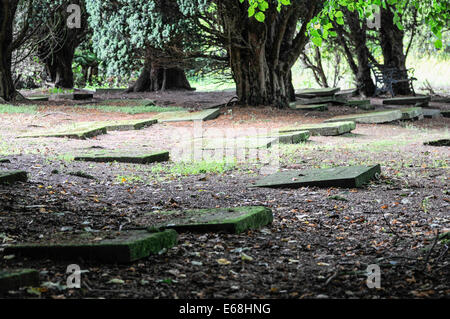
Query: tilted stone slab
{"type": "Point", "coordinates": [361, 104]}
{"type": "Point", "coordinates": [322, 100]}
{"type": "Point", "coordinates": [38, 98]}
{"type": "Point", "coordinates": [407, 100]}
{"type": "Point", "coordinates": [127, 125]}
{"type": "Point", "coordinates": [445, 113]}
{"type": "Point", "coordinates": [412, 113]}
{"type": "Point", "coordinates": [369, 118]}
{"type": "Point", "coordinates": [347, 93]}
{"type": "Point", "coordinates": [181, 116]}
{"type": "Point", "coordinates": [348, 177]}
{"type": "Point", "coordinates": [15, 279]}
{"type": "Point", "coordinates": [106, 247]}
{"type": "Point", "coordinates": [256, 142]}
{"type": "Point", "coordinates": [324, 129]}
{"type": "Point", "coordinates": [313, 107]}
{"type": "Point", "coordinates": [291, 137]}
{"type": "Point", "coordinates": [9, 177]}
{"type": "Point", "coordinates": [80, 133]}
{"type": "Point", "coordinates": [231, 220]}
{"type": "Point", "coordinates": [431, 113]}
{"type": "Point", "coordinates": [4, 160]}
{"type": "Point", "coordinates": [105, 156]}
{"type": "Point", "coordinates": [317, 92]}
{"type": "Point", "coordinates": [442, 142]}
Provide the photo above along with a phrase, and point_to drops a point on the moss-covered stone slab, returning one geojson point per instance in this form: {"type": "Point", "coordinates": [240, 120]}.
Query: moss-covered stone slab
{"type": "Point", "coordinates": [127, 125]}
{"type": "Point", "coordinates": [75, 96]}
{"type": "Point", "coordinates": [9, 177]}
{"type": "Point", "coordinates": [111, 156]}
{"type": "Point", "coordinates": [291, 137]}
{"type": "Point", "coordinates": [442, 142]}
{"type": "Point", "coordinates": [431, 113]}
{"type": "Point", "coordinates": [182, 116]}
{"type": "Point", "coordinates": [38, 98]}
{"type": "Point", "coordinates": [262, 142]}
{"type": "Point", "coordinates": [445, 113]}
{"type": "Point", "coordinates": [317, 92]}
{"type": "Point", "coordinates": [407, 100]}
{"type": "Point", "coordinates": [81, 133]}
{"type": "Point", "coordinates": [370, 117]}
{"type": "Point", "coordinates": [313, 107]}
{"type": "Point", "coordinates": [322, 100]}
{"type": "Point", "coordinates": [231, 220]}
{"type": "Point", "coordinates": [4, 160]}
{"type": "Point", "coordinates": [347, 93]}
{"type": "Point", "coordinates": [358, 102]}
{"type": "Point", "coordinates": [323, 129]}
{"type": "Point", "coordinates": [348, 177]}
{"type": "Point", "coordinates": [15, 279]}
{"type": "Point", "coordinates": [412, 113]}
{"type": "Point", "coordinates": [106, 247]}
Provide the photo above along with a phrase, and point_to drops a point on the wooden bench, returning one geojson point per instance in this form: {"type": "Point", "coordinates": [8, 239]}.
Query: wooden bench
{"type": "Point", "coordinates": [386, 77]}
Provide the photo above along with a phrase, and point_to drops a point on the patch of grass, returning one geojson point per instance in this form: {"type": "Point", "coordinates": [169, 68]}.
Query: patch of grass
{"type": "Point", "coordinates": [129, 179]}
{"type": "Point", "coordinates": [194, 168]}
{"type": "Point", "coordinates": [18, 109]}
{"type": "Point", "coordinates": [132, 109]}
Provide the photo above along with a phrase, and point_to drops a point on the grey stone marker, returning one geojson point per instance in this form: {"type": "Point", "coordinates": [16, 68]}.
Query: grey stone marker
{"type": "Point", "coordinates": [181, 116]}
{"type": "Point", "coordinates": [9, 177]}
{"type": "Point", "coordinates": [127, 125]}
{"type": "Point", "coordinates": [15, 279]}
{"type": "Point", "coordinates": [322, 100]}
{"type": "Point", "coordinates": [348, 177]}
{"type": "Point", "coordinates": [432, 113]}
{"type": "Point", "coordinates": [324, 129]}
{"type": "Point", "coordinates": [106, 247]}
{"type": "Point", "coordinates": [105, 156]}
{"type": "Point", "coordinates": [38, 98]}
{"type": "Point", "coordinates": [232, 220]}
{"type": "Point", "coordinates": [407, 100]}
{"type": "Point", "coordinates": [369, 118]}
{"type": "Point", "coordinates": [412, 113]}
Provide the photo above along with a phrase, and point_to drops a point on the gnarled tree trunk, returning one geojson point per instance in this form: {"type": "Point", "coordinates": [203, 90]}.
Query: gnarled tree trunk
{"type": "Point", "coordinates": [59, 66]}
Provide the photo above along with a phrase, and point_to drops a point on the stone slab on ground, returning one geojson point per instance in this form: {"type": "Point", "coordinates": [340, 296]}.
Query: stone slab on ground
{"type": "Point", "coordinates": [407, 100]}
{"type": "Point", "coordinates": [80, 133]}
{"type": "Point", "coordinates": [231, 220]}
{"type": "Point", "coordinates": [107, 247]}
{"type": "Point", "coordinates": [126, 125]}
{"type": "Point", "coordinates": [347, 93]}
{"type": "Point", "coordinates": [291, 137]}
{"type": "Point", "coordinates": [15, 279]}
{"type": "Point", "coordinates": [249, 142]}
{"type": "Point", "coordinates": [323, 129]}
{"type": "Point", "coordinates": [431, 113]}
{"type": "Point", "coordinates": [38, 98]}
{"type": "Point", "coordinates": [74, 96]}
{"type": "Point", "coordinates": [308, 93]}
{"type": "Point", "coordinates": [370, 117]}
{"type": "Point", "coordinates": [361, 104]}
{"type": "Point", "coordinates": [109, 90]}
{"type": "Point", "coordinates": [445, 113]}
{"type": "Point", "coordinates": [312, 107]}
{"type": "Point", "coordinates": [412, 113]}
{"type": "Point", "coordinates": [441, 142]}
{"type": "Point", "coordinates": [348, 177]}
{"type": "Point", "coordinates": [181, 116]}
{"type": "Point", "coordinates": [322, 100]}
{"type": "Point", "coordinates": [111, 156]}
{"type": "Point", "coordinates": [4, 160]}
{"type": "Point", "coordinates": [9, 177]}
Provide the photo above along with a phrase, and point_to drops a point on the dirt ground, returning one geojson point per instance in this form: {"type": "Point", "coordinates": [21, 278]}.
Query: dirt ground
{"type": "Point", "coordinates": [319, 245]}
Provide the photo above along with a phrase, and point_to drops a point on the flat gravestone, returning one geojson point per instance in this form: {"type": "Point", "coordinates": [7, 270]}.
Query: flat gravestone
{"type": "Point", "coordinates": [442, 142]}
{"type": "Point", "coordinates": [445, 113]}
{"type": "Point", "coordinates": [115, 156]}
{"type": "Point", "coordinates": [75, 96]}
{"type": "Point", "coordinates": [181, 116]}
{"type": "Point", "coordinates": [107, 247]}
{"type": "Point", "coordinates": [127, 125]}
{"type": "Point", "coordinates": [412, 113]}
{"type": "Point", "coordinates": [347, 93]}
{"type": "Point", "coordinates": [317, 92]}
{"type": "Point", "coordinates": [38, 98]}
{"type": "Point", "coordinates": [9, 177]}
{"type": "Point", "coordinates": [348, 177]}
{"type": "Point", "coordinates": [324, 129]}
{"type": "Point", "coordinates": [361, 104]}
{"type": "Point", "coordinates": [4, 160]}
{"type": "Point", "coordinates": [313, 107]}
{"type": "Point", "coordinates": [369, 118]}
{"type": "Point", "coordinates": [15, 279]}
{"type": "Point", "coordinates": [232, 220]}
{"type": "Point", "coordinates": [291, 137]}
{"type": "Point", "coordinates": [109, 90]}
{"type": "Point", "coordinates": [258, 142]}
{"type": "Point", "coordinates": [322, 100]}
{"type": "Point", "coordinates": [82, 132]}
{"type": "Point", "coordinates": [432, 113]}
{"type": "Point", "coordinates": [407, 100]}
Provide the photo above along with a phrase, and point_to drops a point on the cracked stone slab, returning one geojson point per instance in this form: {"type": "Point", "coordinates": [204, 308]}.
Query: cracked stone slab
{"type": "Point", "coordinates": [103, 246]}
{"type": "Point", "coordinates": [106, 156]}
{"type": "Point", "coordinates": [231, 220]}
{"type": "Point", "coordinates": [370, 117]}
{"type": "Point", "coordinates": [323, 129]}
{"type": "Point", "coordinates": [18, 278]}
{"type": "Point", "coordinates": [412, 113]}
{"type": "Point", "coordinates": [347, 177]}
{"type": "Point", "coordinates": [9, 177]}
{"type": "Point", "coordinates": [407, 100]}
{"type": "Point", "coordinates": [181, 116]}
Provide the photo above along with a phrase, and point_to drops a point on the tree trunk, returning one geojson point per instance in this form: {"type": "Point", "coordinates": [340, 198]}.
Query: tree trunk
{"type": "Point", "coordinates": [262, 54]}
{"type": "Point", "coordinates": [7, 12]}
{"type": "Point", "coordinates": [391, 41]}
{"type": "Point", "coordinates": [155, 78]}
